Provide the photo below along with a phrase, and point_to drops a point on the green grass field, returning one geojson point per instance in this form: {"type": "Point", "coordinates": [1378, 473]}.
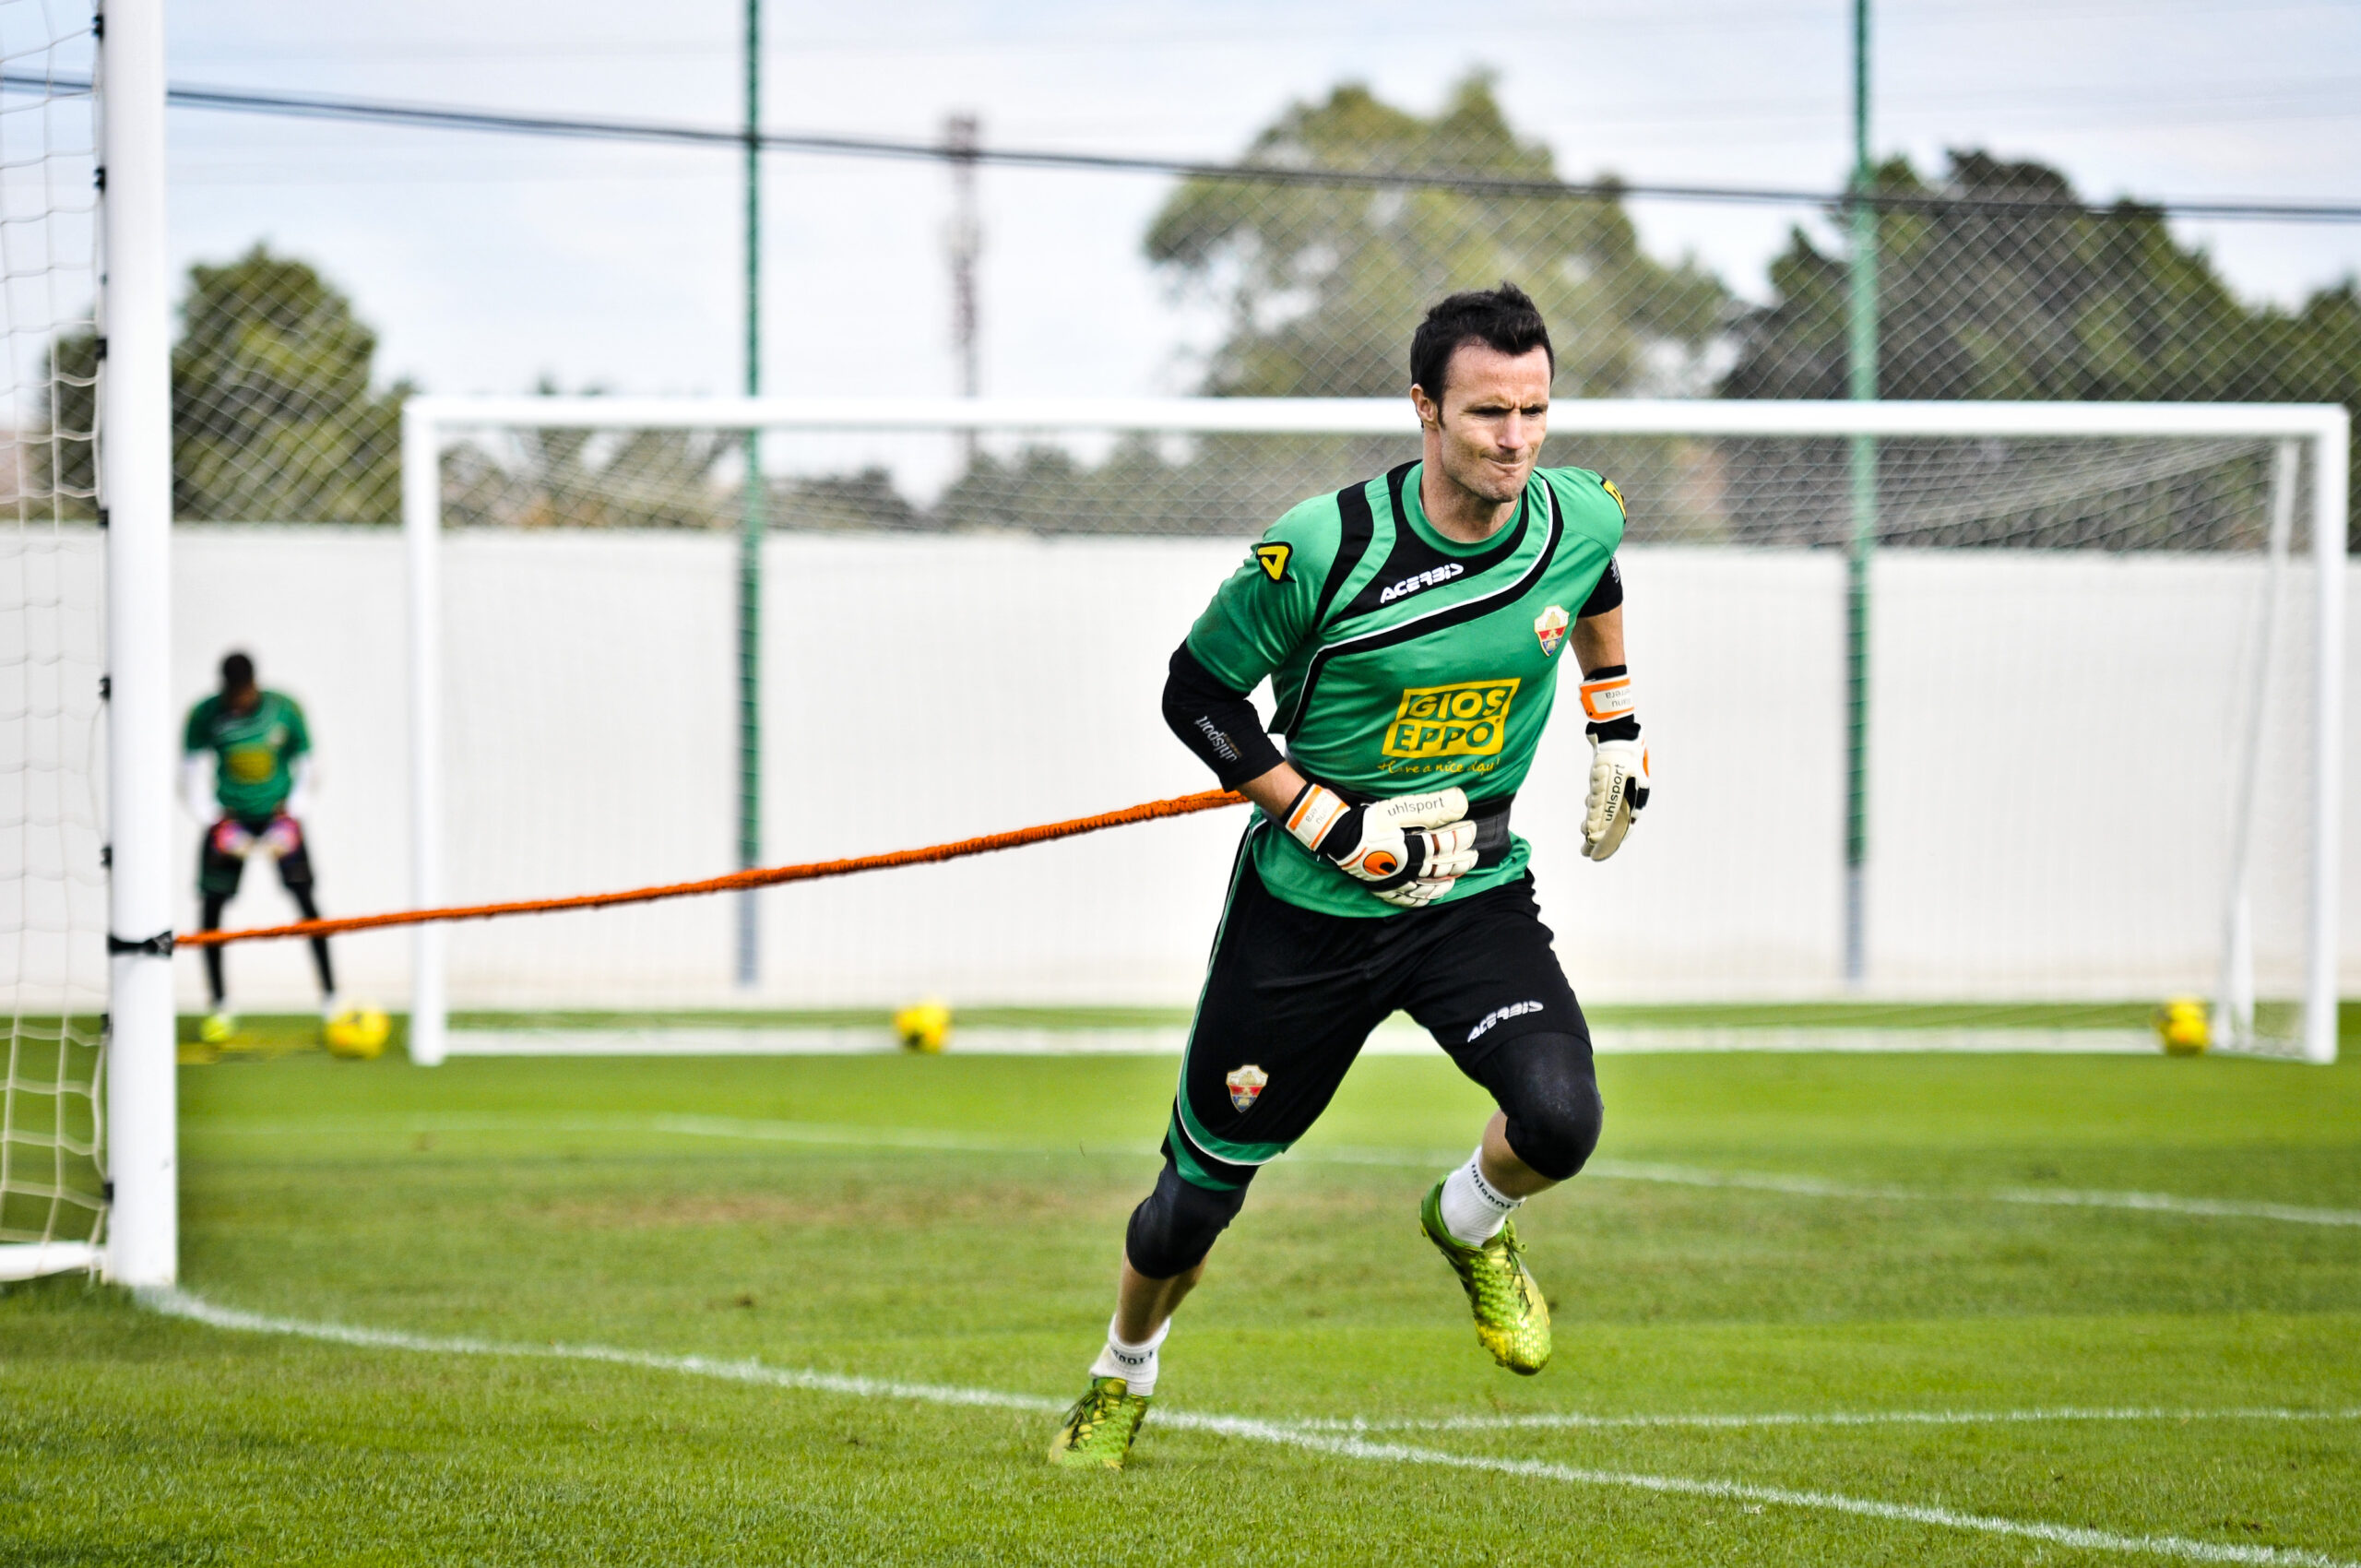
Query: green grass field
{"type": "Point", "coordinates": [1936, 1247]}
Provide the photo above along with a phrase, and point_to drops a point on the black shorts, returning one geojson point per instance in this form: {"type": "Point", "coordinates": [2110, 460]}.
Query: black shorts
{"type": "Point", "coordinates": [218, 874]}
{"type": "Point", "coordinates": [1292, 995]}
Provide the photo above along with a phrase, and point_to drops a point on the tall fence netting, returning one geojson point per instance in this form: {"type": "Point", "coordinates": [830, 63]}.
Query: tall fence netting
{"type": "Point", "coordinates": [53, 881]}
{"type": "Point", "coordinates": [965, 631]}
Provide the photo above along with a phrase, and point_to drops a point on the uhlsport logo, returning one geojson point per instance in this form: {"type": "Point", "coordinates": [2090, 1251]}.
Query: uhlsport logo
{"type": "Point", "coordinates": [1550, 627]}
{"type": "Point", "coordinates": [1273, 559]}
{"type": "Point", "coordinates": [1246, 1086]}
{"type": "Point", "coordinates": [1466, 720]}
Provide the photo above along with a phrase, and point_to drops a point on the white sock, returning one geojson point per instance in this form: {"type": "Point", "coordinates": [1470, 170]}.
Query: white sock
{"type": "Point", "coordinates": [1136, 1364]}
{"type": "Point", "coordinates": [1472, 1209]}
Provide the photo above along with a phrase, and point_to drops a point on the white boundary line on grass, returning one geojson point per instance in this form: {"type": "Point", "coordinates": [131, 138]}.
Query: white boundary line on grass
{"type": "Point", "coordinates": [180, 1304]}
{"type": "Point", "coordinates": [1548, 1421]}
{"type": "Point", "coordinates": [1600, 1169]}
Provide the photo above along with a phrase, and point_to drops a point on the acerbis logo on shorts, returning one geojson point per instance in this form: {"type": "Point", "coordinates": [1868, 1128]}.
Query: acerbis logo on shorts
{"type": "Point", "coordinates": [1501, 1015]}
{"type": "Point", "coordinates": [1467, 719]}
{"type": "Point", "coordinates": [1421, 580]}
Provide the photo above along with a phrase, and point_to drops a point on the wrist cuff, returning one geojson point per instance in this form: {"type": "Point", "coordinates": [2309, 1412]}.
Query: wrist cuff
{"type": "Point", "coordinates": [1607, 698]}
{"type": "Point", "coordinates": [1313, 812]}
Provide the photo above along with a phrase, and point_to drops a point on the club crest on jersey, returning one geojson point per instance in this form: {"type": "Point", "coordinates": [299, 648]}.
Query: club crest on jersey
{"type": "Point", "coordinates": [1246, 1086]}
{"type": "Point", "coordinates": [1273, 559]}
{"type": "Point", "coordinates": [1550, 627]}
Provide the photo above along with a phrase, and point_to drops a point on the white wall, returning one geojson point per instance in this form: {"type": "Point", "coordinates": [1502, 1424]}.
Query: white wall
{"type": "Point", "coordinates": [2052, 741]}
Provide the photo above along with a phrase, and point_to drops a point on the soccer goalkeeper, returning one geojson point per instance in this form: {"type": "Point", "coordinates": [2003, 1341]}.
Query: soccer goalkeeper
{"type": "Point", "coordinates": [261, 754]}
{"type": "Point", "coordinates": [1413, 628]}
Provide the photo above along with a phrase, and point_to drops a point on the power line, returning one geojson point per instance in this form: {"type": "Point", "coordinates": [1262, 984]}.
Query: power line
{"type": "Point", "coordinates": [1470, 182]}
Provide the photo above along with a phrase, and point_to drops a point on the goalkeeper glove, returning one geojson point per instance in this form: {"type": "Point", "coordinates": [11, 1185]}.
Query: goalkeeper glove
{"type": "Point", "coordinates": [231, 840]}
{"type": "Point", "coordinates": [1409, 849]}
{"type": "Point", "coordinates": [1618, 763]}
{"type": "Point", "coordinates": [281, 838]}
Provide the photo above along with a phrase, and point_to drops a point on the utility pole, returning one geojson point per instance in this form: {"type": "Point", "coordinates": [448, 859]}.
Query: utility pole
{"type": "Point", "coordinates": [1863, 366]}
{"type": "Point", "coordinates": [750, 528]}
{"type": "Point", "coordinates": [962, 134]}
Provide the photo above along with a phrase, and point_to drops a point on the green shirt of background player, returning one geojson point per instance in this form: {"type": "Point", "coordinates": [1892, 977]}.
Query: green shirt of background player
{"type": "Point", "coordinates": [257, 750]}
{"type": "Point", "coordinates": [1412, 629]}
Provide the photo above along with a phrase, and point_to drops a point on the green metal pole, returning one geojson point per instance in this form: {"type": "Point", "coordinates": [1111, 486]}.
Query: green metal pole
{"type": "Point", "coordinates": [1863, 362]}
{"type": "Point", "coordinates": [750, 527]}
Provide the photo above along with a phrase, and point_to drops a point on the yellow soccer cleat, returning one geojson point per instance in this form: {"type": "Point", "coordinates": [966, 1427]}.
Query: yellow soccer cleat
{"type": "Point", "coordinates": [1099, 1429]}
{"type": "Point", "coordinates": [1512, 1316]}
{"type": "Point", "coordinates": [216, 1029]}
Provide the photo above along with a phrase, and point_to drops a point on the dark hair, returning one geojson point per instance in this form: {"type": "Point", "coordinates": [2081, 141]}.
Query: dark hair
{"type": "Point", "coordinates": [237, 672]}
{"type": "Point", "coordinates": [1503, 318]}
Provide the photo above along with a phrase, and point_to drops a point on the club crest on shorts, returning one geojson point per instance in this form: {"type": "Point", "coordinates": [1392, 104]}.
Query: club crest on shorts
{"type": "Point", "coordinates": [1246, 1086]}
{"type": "Point", "coordinates": [1550, 627]}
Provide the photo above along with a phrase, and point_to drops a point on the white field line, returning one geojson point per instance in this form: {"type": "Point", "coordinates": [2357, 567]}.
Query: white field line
{"type": "Point", "coordinates": [1559, 1421]}
{"type": "Point", "coordinates": [1600, 1169]}
{"type": "Point", "coordinates": [177, 1304]}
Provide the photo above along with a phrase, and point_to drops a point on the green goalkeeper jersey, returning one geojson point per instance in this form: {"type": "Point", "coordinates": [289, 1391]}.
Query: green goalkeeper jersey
{"type": "Point", "coordinates": [1403, 661]}
{"type": "Point", "coordinates": [253, 753]}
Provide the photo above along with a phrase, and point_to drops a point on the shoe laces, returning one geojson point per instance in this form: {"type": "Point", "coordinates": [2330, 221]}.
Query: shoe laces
{"type": "Point", "coordinates": [1092, 1409]}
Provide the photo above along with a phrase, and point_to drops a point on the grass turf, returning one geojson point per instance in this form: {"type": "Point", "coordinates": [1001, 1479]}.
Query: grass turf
{"type": "Point", "coordinates": [659, 1205]}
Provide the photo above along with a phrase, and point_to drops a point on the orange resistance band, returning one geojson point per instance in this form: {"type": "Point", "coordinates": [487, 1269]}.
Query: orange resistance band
{"type": "Point", "coordinates": [1211, 799]}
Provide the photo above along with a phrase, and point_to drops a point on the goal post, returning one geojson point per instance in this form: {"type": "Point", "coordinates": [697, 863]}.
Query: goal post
{"type": "Point", "coordinates": [2072, 533]}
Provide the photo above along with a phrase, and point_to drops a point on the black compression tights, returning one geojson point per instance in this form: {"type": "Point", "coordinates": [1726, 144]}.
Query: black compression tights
{"type": "Point", "coordinates": [1543, 1082]}
{"type": "Point", "coordinates": [1546, 1085]}
{"type": "Point", "coordinates": [211, 920]}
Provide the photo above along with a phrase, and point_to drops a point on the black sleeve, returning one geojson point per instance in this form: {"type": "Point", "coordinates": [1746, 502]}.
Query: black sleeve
{"type": "Point", "coordinates": [1608, 593]}
{"type": "Point", "coordinates": [1216, 722]}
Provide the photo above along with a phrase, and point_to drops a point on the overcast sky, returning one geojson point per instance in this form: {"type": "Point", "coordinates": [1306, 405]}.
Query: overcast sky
{"type": "Point", "coordinates": [488, 262]}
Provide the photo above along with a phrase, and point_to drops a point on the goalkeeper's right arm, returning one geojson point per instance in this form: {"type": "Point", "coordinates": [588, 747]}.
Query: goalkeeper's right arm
{"type": "Point", "coordinates": [194, 779]}
{"type": "Point", "coordinates": [1409, 849]}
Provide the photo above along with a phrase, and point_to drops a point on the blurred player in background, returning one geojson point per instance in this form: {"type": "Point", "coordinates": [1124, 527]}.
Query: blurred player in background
{"type": "Point", "coordinates": [1412, 629]}
{"type": "Point", "coordinates": [261, 756]}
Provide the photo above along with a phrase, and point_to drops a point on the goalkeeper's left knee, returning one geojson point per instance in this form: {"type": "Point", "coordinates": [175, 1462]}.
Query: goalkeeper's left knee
{"type": "Point", "coordinates": [1177, 1224]}
{"type": "Point", "coordinates": [1546, 1086]}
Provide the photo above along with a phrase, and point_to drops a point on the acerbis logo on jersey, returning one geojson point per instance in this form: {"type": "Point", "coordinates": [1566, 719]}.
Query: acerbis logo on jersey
{"type": "Point", "coordinates": [1246, 1086]}
{"type": "Point", "coordinates": [1273, 559]}
{"type": "Point", "coordinates": [1501, 1015]}
{"type": "Point", "coordinates": [1420, 581]}
{"type": "Point", "coordinates": [1466, 720]}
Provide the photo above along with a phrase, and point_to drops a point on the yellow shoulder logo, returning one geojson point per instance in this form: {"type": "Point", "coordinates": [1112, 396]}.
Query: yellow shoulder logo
{"type": "Point", "coordinates": [1609, 485]}
{"type": "Point", "coordinates": [1273, 558]}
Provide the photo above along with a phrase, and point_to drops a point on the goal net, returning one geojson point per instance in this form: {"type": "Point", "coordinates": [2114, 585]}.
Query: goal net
{"type": "Point", "coordinates": [52, 880]}
{"type": "Point", "coordinates": [2073, 755]}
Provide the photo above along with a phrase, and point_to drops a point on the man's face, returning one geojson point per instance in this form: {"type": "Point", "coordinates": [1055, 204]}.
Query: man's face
{"type": "Point", "coordinates": [1495, 411]}
{"type": "Point", "coordinates": [242, 699]}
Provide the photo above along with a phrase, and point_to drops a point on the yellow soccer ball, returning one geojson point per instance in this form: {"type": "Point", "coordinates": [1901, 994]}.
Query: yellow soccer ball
{"type": "Point", "coordinates": [2182, 1025]}
{"type": "Point", "coordinates": [358, 1033]}
{"type": "Point", "coordinates": [923, 1027]}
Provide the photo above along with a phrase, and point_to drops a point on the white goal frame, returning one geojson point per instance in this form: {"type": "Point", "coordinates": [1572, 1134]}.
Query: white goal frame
{"type": "Point", "coordinates": [2323, 430]}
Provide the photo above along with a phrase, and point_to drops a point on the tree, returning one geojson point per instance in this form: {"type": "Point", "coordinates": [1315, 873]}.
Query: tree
{"type": "Point", "coordinates": [1326, 282]}
{"type": "Point", "coordinates": [274, 417]}
{"type": "Point", "coordinates": [2046, 300]}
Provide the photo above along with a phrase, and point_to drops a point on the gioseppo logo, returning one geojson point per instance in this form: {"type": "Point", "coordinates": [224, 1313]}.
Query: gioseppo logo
{"type": "Point", "coordinates": [1467, 719]}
